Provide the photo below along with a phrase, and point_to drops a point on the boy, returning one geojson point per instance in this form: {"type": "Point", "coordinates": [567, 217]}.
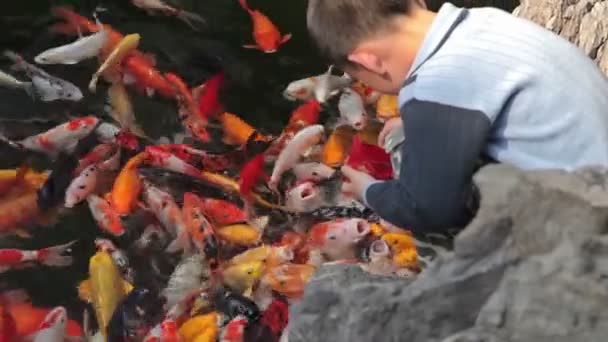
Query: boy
{"type": "Point", "coordinates": [471, 83]}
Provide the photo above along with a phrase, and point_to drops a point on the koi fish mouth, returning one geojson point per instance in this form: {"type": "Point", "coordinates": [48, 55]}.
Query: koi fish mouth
{"type": "Point", "coordinates": [308, 192]}
{"type": "Point", "coordinates": [288, 96]}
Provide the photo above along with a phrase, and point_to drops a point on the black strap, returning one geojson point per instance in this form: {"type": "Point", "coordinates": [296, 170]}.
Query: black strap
{"type": "Point", "coordinates": [461, 17]}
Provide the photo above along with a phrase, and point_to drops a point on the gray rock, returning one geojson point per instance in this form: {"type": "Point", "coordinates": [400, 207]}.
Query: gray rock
{"type": "Point", "coordinates": [531, 266]}
{"type": "Point", "coordinates": [582, 22]}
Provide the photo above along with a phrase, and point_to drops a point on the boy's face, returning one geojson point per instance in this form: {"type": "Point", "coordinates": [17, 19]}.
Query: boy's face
{"type": "Point", "coordinates": [382, 63]}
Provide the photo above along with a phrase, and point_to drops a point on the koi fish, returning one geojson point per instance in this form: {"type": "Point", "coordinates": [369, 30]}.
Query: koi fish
{"type": "Point", "coordinates": [336, 239]}
{"type": "Point", "coordinates": [369, 134]}
{"type": "Point", "coordinates": [8, 326]}
{"type": "Point", "coordinates": [153, 6]}
{"type": "Point", "coordinates": [81, 186]}
{"type": "Point", "coordinates": [46, 87]}
{"type": "Point", "coordinates": [63, 138]}
{"type": "Point", "coordinates": [160, 158]}
{"type": "Point", "coordinates": [122, 49]}
{"type": "Point", "coordinates": [201, 328]}
{"type": "Point", "coordinates": [367, 93]}
{"type": "Point", "coordinates": [312, 171]}
{"type": "Point", "coordinates": [371, 159]}
{"type": "Point", "coordinates": [251, 172]}
{"type": "Point", "coordinates": [191, 274]}
{"type": "Point", "coordinates": [134, 315]}
{"type": "Point", "coordinates": [236, 130]}
{"type": "Point", "coordinates": [387, 107]}
{"type": "Point", "coordinates": [381, 262]}
{"type": "Point", "coordinates": [209, 103]}
{"type": "Point", "coordinates": [352, 110]}
{"type": "Point", "coordinates": [240, 234]}
{"type": "Point", "coordinates": [265, 33]}
{"type": "Point", "coordinates": [50, 256]}
{"type": "Point", "coordinates": [75, 23]}
{"type": "Point", "coordinates": [201, 230]}
{"type": "Point", "coordinates": [320, 87]}
{"type": "Point", "coordinates": [289, 279]}
{"type": "Point", "coordinates": [233, 304]}
{"type": "Point", "coordinates": [290, 155]}
{"type": "Point", "coordinates": [404, 249]}
{"type": "Point", "coordinates": [127, 185]}
{"type": "Point", "coordinates": [104, 289]}
{"type": "Point", "coordinates": [53, 328]}
{"type": "Point", "coordinates": [242, 277]}
{"type": "Point", "coordinates": [147, 79]}
{"type": "Point", "coordinates": [120, 109]}
{"type": "Point", "coordinates": [118, 256]}
{"type": "Point", "coordinates": [9, 81]}
{"type": "Point", "coordinates": [337, 147]}
{"type": "Point", "coordinates": [166, 331]}
{"type": "Point", "coordinates": [169, 214]}
{"type": "Point", "coordinates": [230, 185]}
{"type": "Point", "coordinates": [304, 196]}
{"type": "Point", "coordinates": [77, 51]}
{"type": "Point", "coordinates": [105, 215]}
{"type": "Point", "coordinates": [189, 113]}
{"type": "Point", "coordinates": [234, 331]}
{"type": "Point", "coordinates": [222, 213]}
{"type": "Point", "coordinates": [270, 255]}
{"type": "Point", "coordinates": [23, 176]}
{"type": "Point", "coordinates": [306, 114]}
{"type": "Point", "coordinates": [19, 210]}
{"type": "Point", "coordinates": [98, 154]}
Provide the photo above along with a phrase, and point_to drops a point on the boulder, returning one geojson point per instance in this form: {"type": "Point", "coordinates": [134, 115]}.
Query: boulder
{"type": "Point", "coordinates": [582, 22]}
{"type": "Point", "coordinates": [532, 266]}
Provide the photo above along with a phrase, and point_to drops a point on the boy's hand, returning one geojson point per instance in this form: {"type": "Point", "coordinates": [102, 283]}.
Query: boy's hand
{"type": "Point", "coordinates": [356, 182]}
{"type": "Point", "coordinates": [389, 126]}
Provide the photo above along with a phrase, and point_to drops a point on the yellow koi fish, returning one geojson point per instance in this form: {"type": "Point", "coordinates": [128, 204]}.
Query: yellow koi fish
{"type": "Point", "coordinates": [104, 289]}
{"type": "Point", "coordinates": [121, 110]}
{"type": "Point", "coordinates": [126, 45]}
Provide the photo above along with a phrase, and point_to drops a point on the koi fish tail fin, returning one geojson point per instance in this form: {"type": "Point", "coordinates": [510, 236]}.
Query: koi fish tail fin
{"type": "Point", "coordinates": [244, 5]}
{"type": "Point", "coordinates": [286, 38]}
{"type": "Point", "coordinates": [15, 58]}
{"type": "Point", "coordinates": [74, 21]}
{"type": "Point", "coordinates": [93, 83]}
{"type": "Point", "coordinates": [190, 18]}
{"type": "Point", "coordinates": [52, 256]}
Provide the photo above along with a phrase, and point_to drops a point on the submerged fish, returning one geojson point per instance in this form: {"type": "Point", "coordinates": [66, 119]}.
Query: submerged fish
{"type": "Point", "coordinates": [50, 256]}
{"type": "Point", "coordinates": [9, 81]}
{"type": "Point", "coordinates": [153, 6]}
{"type": "Point", "coordinates": [77, 51]}
{"type": "Point", "coordinates": [191, 274]}
{"type": "Point", "coordinates": [46, 87]}
{"type": "Point", "coordinates": [126, 45]}
{"type": "Point", "coordinates": [120, 109]}
{"type": "Point", "coordinates": [266, 35]}
{"type": "Point", "coordinates": [105, 288]}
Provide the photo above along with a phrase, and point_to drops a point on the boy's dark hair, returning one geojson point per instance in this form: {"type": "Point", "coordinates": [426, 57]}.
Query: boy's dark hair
{"type": "Point", "coordinates": [337, 26]}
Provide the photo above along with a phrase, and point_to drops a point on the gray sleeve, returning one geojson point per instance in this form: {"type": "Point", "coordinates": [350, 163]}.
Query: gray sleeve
{"type": "Point", "coordinates": [439, 155]}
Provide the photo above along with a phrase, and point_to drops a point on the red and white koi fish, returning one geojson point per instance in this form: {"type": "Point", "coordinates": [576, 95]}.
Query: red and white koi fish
{"type": "Point", "coordinates": [161, 158]}
{"type": "Point", "coordinates": [169, 214]}
{"type": "Point", "coordinates": [266, 35]}
{"type": "Point", "coordinates": [97, 154]}
{"type": "Point", "coordinates": [53, 328]}
{"type": "Point", "coordinates": [81, 186]}
{"type": "Point", "coordinates": [104, 214]}
{"type": "Point", "coordinates": [234, 331]}
{"type": "Point", "coordinates": [336, 239]}
{"type": "Point", "coordinates": [62, 138]}
{"type": "Point", "coordinates": [153, 6]}
{"type": "Point", "coordinates": [50, 256]}
{"type": "Point", "coordinates": [290, 155]}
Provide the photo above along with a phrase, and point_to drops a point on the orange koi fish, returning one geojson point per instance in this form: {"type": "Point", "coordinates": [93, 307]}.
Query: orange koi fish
{"type": "Point", "coordinates": [231, 185]}
{"type": "Point", "coordinates": [289, 279]}
{"type": "Point", "coordinates": [127, 186]}
{"type": "Point", "coordinates": [371, 159]}
{"type": "Point", "coordinates": [387, 107]}
{"type": "Point", "coordinates": [200, 229]}
{"type": "Point", "coordinates": [147, 78]}
{"type": "Point", "coordinates": [337, 147]}
{"type": "Point", "coordinates": [265, 33]}
{"type": "Point", "coordinates": [222, 213]}
{"type": "Point", "coordinates": [237, 131]}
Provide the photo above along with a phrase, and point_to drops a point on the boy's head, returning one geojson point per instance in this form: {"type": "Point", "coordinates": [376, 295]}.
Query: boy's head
{"type": "Point", "coordinates": [374, 41]}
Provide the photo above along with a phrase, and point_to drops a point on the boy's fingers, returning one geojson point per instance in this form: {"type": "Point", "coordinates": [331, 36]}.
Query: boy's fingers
{"type": "Point", "coordinates": [348, 171]}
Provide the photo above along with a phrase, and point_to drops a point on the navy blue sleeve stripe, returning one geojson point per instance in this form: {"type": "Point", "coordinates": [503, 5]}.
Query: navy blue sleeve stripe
{"type": "Point", "coordinates": [441, 151]}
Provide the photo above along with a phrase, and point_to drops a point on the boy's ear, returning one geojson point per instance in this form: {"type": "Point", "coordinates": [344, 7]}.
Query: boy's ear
{"type": "Point", "coordinates": [367, 60]}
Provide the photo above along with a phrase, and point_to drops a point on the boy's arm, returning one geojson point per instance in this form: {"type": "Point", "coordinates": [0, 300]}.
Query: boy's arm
{"type": "Point", "coordinates": [439, 155]}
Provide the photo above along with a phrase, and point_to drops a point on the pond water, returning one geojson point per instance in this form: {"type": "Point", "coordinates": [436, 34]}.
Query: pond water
{"type": "Point", "coordinates": [254, 85]}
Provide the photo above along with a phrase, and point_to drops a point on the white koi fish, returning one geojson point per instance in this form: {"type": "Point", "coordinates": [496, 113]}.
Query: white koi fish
{"type": "Point", "coordinates": [81, 186]}
{"type": "Point", "coordinates": [45, 86]}
{"type": "Point", "coordinates": [352, 109]}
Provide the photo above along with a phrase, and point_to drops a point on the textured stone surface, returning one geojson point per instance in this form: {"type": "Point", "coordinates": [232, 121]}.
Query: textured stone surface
{"type": "Point", "coordinates": [583, 22]}
{"type": "Point", "coordinates": [532, 266]}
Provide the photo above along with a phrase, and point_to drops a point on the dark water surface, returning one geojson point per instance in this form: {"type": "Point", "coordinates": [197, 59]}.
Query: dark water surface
{"type": "Point", "coordinates": [253, 91]}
